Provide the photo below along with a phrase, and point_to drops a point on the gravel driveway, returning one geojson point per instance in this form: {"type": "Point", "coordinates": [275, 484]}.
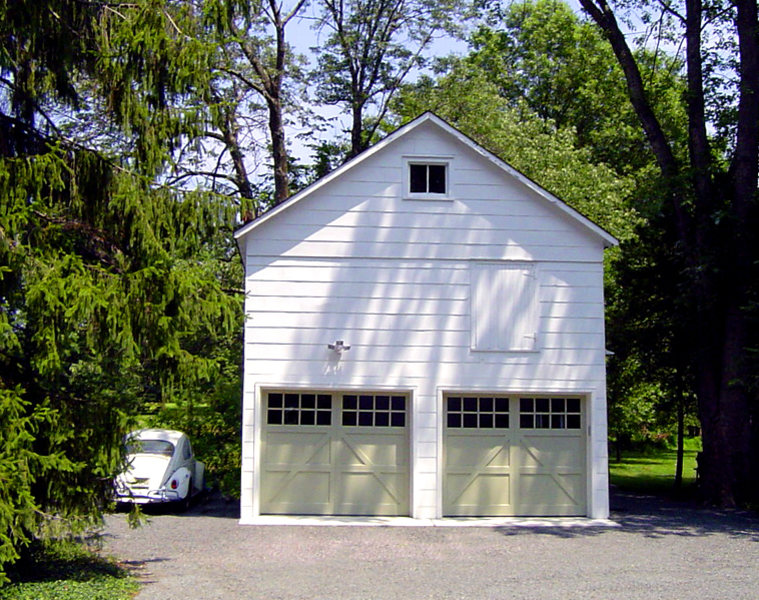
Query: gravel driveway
{"type": "Point", "coordinates": [661, 550]}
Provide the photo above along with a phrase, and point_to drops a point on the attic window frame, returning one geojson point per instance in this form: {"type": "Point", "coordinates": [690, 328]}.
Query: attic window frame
{"type": "Point", "coordinates": [427, 161]}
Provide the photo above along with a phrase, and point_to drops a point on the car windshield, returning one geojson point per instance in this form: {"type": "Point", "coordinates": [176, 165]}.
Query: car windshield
{"type": "Point", "coordinates": [160, 447]}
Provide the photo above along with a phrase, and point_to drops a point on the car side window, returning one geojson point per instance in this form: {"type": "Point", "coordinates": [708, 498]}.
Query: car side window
{"type": "Point", "coordinates": [187, 450]}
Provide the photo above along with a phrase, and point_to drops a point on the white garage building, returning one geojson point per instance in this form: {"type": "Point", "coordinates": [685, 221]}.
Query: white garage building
{"type": "Point", "coordinates": [424, 336]}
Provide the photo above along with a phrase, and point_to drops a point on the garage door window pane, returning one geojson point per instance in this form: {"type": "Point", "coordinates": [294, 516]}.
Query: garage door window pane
{"type": "Point", "coordinates": [299, 409]}
{"type": "Point", "coordinates": [477, 412]}
{"type": "Point", "coordinates": [549, 413]}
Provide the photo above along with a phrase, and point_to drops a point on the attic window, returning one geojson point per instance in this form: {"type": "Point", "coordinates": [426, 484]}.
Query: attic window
{"type": "Point", "coordinates": [427, 178]}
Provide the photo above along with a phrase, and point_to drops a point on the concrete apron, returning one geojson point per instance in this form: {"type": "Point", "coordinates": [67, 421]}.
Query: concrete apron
{"type": "Point", "coordinates": [332, 521]}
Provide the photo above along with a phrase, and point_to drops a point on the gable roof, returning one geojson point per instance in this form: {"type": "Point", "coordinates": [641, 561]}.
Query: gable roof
{"type": "Point", "coordinates": [429, 117]}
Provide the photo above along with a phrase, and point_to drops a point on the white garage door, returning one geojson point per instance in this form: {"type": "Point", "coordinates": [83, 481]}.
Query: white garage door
{"type": "Point", "coordinates": [335, 454]}
{"type": "Point", "coordinates": [508, 455]}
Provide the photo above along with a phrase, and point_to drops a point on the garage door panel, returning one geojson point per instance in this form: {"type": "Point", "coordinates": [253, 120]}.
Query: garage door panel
{"type": "Point", "coordinates": [467, 494]}
{"type": "Point", "coordinates": [308, 492]}
{"type": "Point", "coordinates": [371, 493]}
{"type": "Point", "coordinates": [372, 449]}
{"type": "Point", "coordinates": [550, 494]}
{"type": "Point", "coordinates": [552, 452]}
{"type": "Point", "coordinates": [477, 452]}
{"type": "Point", "coordinates": [311, 448]}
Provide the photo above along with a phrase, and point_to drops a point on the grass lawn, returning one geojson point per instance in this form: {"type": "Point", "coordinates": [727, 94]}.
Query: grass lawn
{"type": "Point", "coordinates": [653, 472]}
{"type": "Point", "coordinates": [67, 571]}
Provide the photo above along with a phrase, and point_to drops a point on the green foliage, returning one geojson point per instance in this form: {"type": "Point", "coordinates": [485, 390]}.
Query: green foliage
{"type": "Point", "coordinates": [67, 571]}
{"type": "Point", "coordinates": [542, 56]}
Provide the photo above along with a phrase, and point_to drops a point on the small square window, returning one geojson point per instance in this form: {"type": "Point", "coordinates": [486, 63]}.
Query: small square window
{"type": "Point", "coordinates": [424, 178]}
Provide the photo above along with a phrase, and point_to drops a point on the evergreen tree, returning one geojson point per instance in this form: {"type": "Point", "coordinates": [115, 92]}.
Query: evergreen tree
{"type": "Point", "coordinates": [104, 303]}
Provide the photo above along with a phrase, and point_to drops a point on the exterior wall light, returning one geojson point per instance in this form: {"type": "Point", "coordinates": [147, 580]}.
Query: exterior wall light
{"type": "Point", "coordinates": [339, 347]}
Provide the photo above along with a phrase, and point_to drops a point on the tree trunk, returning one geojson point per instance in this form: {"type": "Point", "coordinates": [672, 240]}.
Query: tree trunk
{"type": "Point", "coordinates": [724, 408]}
{"type": "Point", "coordinates": [680, 440]}
{"type": "Point", "coordinates": [278, 150]}
{"type": "Point", "coordinates": [357, 129]}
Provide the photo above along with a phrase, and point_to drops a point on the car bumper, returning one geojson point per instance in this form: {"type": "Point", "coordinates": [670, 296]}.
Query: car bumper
{"type": "Point", "coordinates": [150, 497]}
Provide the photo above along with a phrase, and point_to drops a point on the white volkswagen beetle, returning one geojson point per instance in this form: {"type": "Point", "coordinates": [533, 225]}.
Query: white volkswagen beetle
{"type": "Point", "coordinates": [161, 467]}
